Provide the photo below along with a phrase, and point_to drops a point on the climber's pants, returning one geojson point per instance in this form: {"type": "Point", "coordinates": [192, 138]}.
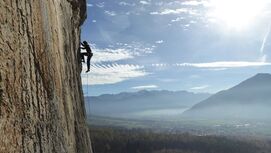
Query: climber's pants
{"type": "Point", "coordinates": [89, 56]}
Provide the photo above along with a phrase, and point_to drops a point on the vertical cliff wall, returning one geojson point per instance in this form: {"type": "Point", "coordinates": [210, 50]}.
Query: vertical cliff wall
{"type": "Point", "coordinates": [41, 100]}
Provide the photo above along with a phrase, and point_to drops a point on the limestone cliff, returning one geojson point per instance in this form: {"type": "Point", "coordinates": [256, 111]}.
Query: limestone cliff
{"type": "Point", "coordinates": [41, 100]}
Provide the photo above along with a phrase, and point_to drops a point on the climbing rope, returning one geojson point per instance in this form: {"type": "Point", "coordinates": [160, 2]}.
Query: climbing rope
{"type": "Point", "coordinates": [87, 92]}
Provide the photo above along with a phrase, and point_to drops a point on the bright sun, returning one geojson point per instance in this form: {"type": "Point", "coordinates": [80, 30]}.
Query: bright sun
{"type": "Point", "coordinates": [236, 14]}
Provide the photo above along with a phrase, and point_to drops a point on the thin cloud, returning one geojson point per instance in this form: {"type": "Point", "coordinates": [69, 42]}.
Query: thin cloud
{"type": "Point", "coordinates": [119, 52]}
{"type": "Point", "coordinates": [101, 74]}
{"type": "Point", "coordinates": [174, 3]}
{"type": "Point", "coordinates": [200, 87]}
{"type": "Point", "coordinates": [144, 3]}
{"type": "Point", "coordinates": [160, 65]}
{"type": "Point", "coordinates": [159, 41]}
{"type": "Point", "coordinates": [154, 13]}
{"type": "Point", "coordinates": [177, 19]}
{"type": "Point", "coordinates": [264, 57]}
{"type": "Point", "coordinates": [192, 22]}
{"type": "Point", "coordinates": [100, 5]}
{"type": "Point", "coordinates": [167, 80]}
{"type": "Point", "coordinates": [159, 3]}
{"type": "Point", "coordinates": [193, 3]}
{"type": "Point", "coordinates": [89, 5]}
{"type": "Point", "coordinates": [224, 64]}
{"type": "Point", "coordinates": [138, 49]}
{"type": "Point", "coordinates": [175, 11]}
{"type": "Point", "coordinates": [122, 3]}
{"type": "Point", "coordinates": [145, 87]}
{"type": "Point", "coordinates": [110, 13]}
{"type": "Point", "coordinates": [217, 69]}
{"type": "Point", "coordinates": [111, 55]}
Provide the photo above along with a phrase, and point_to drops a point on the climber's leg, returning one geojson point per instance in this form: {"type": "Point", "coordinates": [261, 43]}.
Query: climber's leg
{"type": "Point", "coordinates": [82, 57]}
{"type": "Point", "coordinates": [88, 61]}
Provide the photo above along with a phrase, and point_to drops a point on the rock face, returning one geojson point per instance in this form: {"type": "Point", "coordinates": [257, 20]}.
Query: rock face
{"type": "Point", "coordinates": [41, 100]}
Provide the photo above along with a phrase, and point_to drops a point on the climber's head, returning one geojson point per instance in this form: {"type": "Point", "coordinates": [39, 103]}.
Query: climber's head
{"type": "Point", "coordinates": [85, 43]}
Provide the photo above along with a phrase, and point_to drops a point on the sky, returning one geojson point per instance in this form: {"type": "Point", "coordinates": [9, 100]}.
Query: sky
{"type": "Point", "coordinates": [193, 45]}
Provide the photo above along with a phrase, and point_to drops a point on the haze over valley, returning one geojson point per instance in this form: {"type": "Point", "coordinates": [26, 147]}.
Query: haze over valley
{"type": "Point", "coordinates": [241, 110]}
{"type": "Point", "coordinates": [143, 104]}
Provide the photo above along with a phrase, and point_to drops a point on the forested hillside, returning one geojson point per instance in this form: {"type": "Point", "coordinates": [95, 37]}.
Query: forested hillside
{"type": "Point", "coordinates": [118, 140]}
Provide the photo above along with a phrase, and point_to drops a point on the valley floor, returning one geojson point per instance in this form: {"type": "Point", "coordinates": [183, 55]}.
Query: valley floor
{"type": "Point", "coordinates": [118, 135]}
{"type": "Point", "coordinates": [123, 140]}
{"type": "Point", "coordinates": [246, 129]}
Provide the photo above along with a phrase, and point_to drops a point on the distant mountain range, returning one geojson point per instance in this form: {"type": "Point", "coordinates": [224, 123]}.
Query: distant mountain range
{"type": "Point", "coordinates": [250, 99]}
{"type": "Point", "coordinates": [125, 104]}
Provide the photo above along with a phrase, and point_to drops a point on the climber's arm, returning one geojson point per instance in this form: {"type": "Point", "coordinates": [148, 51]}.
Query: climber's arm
{"type": "Point", "coordinates": [83, 46]}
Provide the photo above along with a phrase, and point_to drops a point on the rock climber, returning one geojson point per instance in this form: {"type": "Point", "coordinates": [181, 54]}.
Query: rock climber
{"type": "Point", "coordinates": [89, 54]}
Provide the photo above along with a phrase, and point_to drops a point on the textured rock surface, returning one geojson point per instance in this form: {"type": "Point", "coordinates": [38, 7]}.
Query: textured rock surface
{"type": "Point", "coordinates": [41, 101]}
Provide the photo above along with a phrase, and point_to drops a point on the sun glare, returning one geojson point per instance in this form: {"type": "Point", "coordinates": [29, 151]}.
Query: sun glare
{"type": "Point", "coordinates": [236, 14]}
